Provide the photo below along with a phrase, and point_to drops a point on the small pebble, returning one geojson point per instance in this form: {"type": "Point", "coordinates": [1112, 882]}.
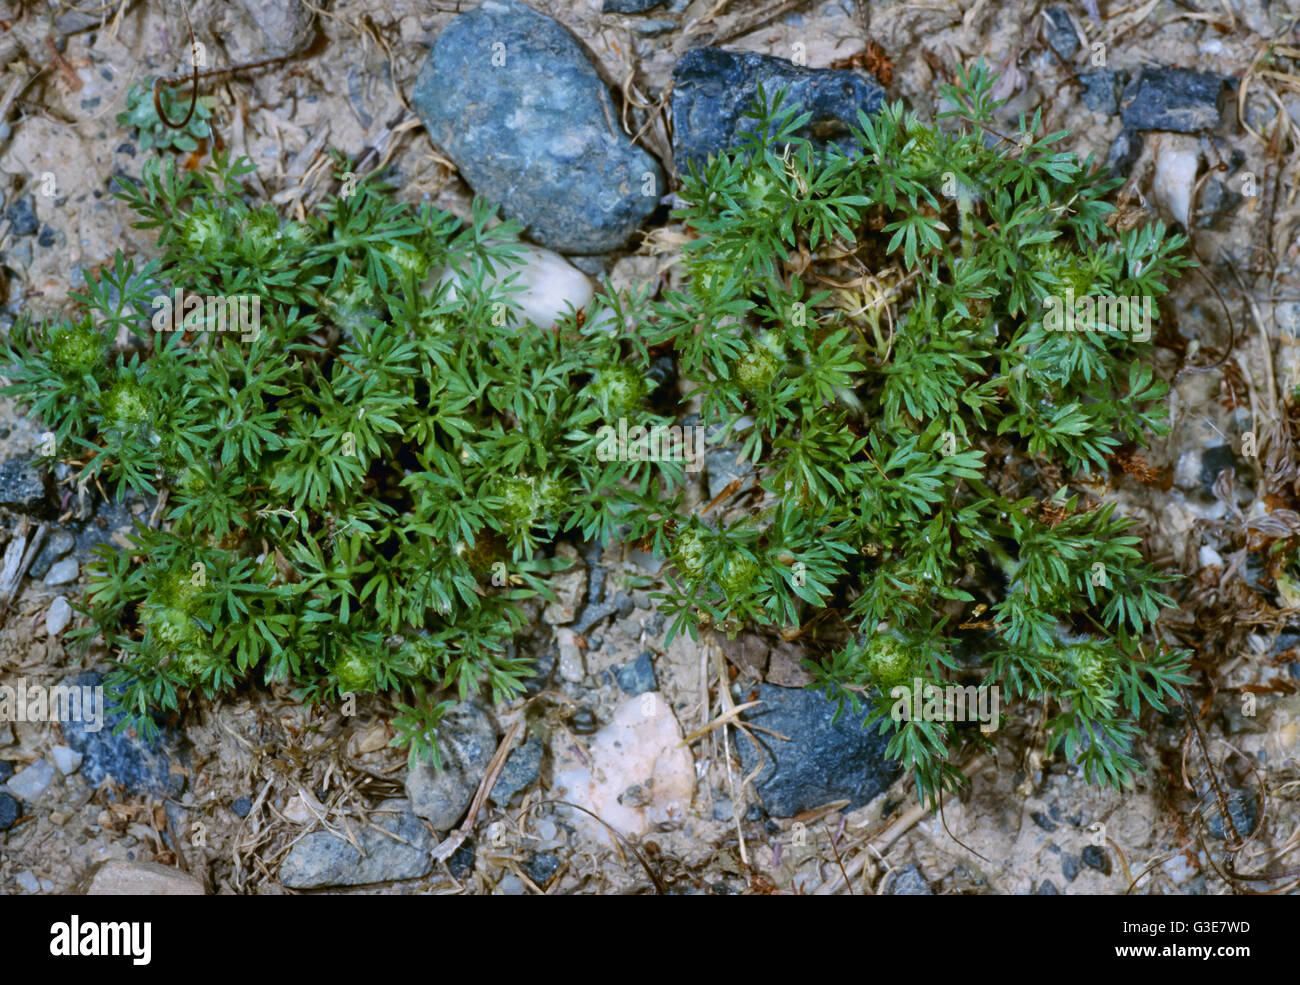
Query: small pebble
{"type": "Point", "coordinates": [461, 863]}
{"type": "Point", "coordinates": [28, 882]}
{"type": "Point", "coordinates": [10, 811]}
{"type": "Point", "coordinates": [542, 866]}
{"type": "Point", "coordinates": [29, 784]}
{"type": "Point", "coordinates": [1043, 821]}
{"type": "Point", "coordinates": [62, 572]}
{"type": "Point", "coordinates": [1096, 858]}
{"type": "Point", "coordinates": [58, 616]}
{"type": "Point", "coordinates": [241, 806]}
{"type": "Point", "coordinates": [638, 677]}
{"type": "Point", "coordinates": [67, 760]}
{"type": "Point", "coordinates": [584, 722]}
{"type": "Point", "coordinates": [511, 885]}
{"type": "Point", "coordinates": [1070, 867]}
{"type": "Point", "coordinates": [545, 830]}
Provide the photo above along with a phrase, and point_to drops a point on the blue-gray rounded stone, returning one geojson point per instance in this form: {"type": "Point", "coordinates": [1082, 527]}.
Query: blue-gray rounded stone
{"type": "Point", "coordinates": [511, 97]}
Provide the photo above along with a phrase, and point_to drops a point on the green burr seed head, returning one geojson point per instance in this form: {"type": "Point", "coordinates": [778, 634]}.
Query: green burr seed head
{"type": "Point", "coordinates": [127, 405]}
{"type": "Point", "coordinates": [77, 349]}
{"type": "Point", "coordinates": [889, 661]}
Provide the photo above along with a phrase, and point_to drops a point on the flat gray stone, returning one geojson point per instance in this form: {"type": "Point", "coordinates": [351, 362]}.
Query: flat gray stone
{"type": "Point", "coordinates": [322, 859]}
{"type": "Point", "coordinates": [630, 6]}
{"type": "Point", "coordinates": [1176, 99]}
{"type": "Point", "coordinates": [22, 487]}
{"type": "Point", "coordinates": [58, 544]}
{"type": "Point", "coordinates": [67, 760]}
{"type": "Point", "coordinates": [520, 772]}
{"type": "Point", "coordinates": [908, 881]}
{"type": "Point", "coordinates": [30, 784]}
{"type": "Point", "coordinates": [62, 572]}
{"type": "Point", "coordinates": [286, 25]}
{"type": "Point", "coordinates": [466, 743]}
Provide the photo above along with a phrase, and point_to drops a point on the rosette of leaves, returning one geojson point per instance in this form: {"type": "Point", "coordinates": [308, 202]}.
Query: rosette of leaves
{"type": "Point", "coordinates": [151, 131]}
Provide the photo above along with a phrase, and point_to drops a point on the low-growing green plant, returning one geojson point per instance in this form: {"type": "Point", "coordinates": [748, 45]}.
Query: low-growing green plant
{"type": "Point", "coordinates": [356, 490]}
{"type": "Point", "coordinates": [360, 494]}
{"type": "Point", "coordinates": [874, 328]}
{"type": "Point", "coordinates": [153, 131]}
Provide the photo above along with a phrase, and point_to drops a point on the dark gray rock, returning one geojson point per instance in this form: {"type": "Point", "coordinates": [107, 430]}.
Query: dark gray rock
{"type": "Point", "coordinates": [461, 863]}
{"type": "Point", "coordinates": [908, 881]}
{"type": "Point", "coordinates": [824, 760]}
{"type": "Point", "coordinates": [1043, 821]}
{"type": "Point", "coordinates": [630, 6]}
{"type": "Point", "coordinates": [1048, 888]}
{"type": "Point", "coordinates": [712, 89]}
{"type": "Point", "coordinates": [22, 487]}
{"type": "Point", "coordinates": [1124, 151]}
{"type": "Point", "coordinates": [241, 806]}
{"type": "Point", "coordinates": [1095, 857]}
{"type": "Point", "coordinates": [1101, 90]}
{"type": "Point", "coordinates": [22, 216]}
{"type": "Point", "coordinates": [638, 677]}
{"type": "Point", "coordinates": [584, 722]}
{"type": "Point", "coordinates": [466, 742]}
{"type": "Point", "coordinates": [520, 772]}
{"type": "Point", "coordinates": [57, 545]}
{"type": "Point", "coordinates": [323, 859]}
{"type": "Point", "coordinates": [542, 866]}
{"type": "Point", "coordinates": [1243, 806]}
{"type": "Point", "coordinates": [1060, 32]}
{"type": "Point", "coordinates": [6, 770]}
{"type": "Point", "coordinates": [10, 811]}
{"type": "Point", "coordinates": [544, 660]}
{"type": "Point", "coordinates": [1213, 461]}
{"type": "Point", "coordinates": [1218, 202]}
{"type": "Point", "coordinates": [109, 518]}
{"type": "Point", "coordinates": [536, 131]}
{"type": "Point", "coordinates": [723, 465]}
{"type": "Point", "coordinates": [1175, 99]}
{"type": "Point", "coordinates": [141, 766]}
{"type": "Point", "coordinates": [592, 614]}
{"type": "Point", "coordinates": [1070, 867]}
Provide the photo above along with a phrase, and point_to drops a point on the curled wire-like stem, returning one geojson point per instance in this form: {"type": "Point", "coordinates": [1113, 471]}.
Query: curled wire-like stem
{"type": "Point", "coordinates": [194, 88]}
